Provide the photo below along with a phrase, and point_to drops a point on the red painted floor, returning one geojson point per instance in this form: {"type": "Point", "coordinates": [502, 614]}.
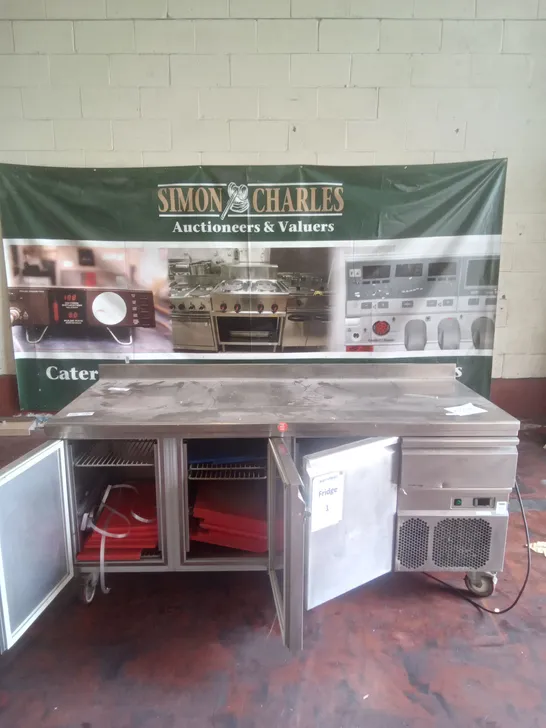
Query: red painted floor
{"type": "Point", "coordinates": [203, 650]}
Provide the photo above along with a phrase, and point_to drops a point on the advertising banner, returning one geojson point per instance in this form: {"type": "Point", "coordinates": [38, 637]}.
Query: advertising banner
{"type": "Point", "coordinates": [249, 263]}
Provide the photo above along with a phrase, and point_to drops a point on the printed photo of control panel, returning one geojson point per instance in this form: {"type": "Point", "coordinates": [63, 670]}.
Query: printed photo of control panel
{"type": "Point", "coordinates": [417, 304]}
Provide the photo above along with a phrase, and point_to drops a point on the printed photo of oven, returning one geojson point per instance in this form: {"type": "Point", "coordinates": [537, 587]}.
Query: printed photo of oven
{"type": "Point", "coordinates": [255, 299]}
{"type": "Point", "coordinates": [78, 310]}
{"type": "Point", "coordinates": [308, 312]}
{"type": "Point", "coordinates": [191, 317]}
{"type": "Point", "coordinates": [249, 313]}
{"type": "Point", "coordinates": [422, 303]}
{"type": "Point", "coordinates": [190, 289]}
{"type": "Point", "coordinates": [306, 329]}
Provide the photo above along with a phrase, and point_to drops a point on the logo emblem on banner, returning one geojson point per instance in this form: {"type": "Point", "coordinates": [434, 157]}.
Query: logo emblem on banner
{"type": "Point", "coordinates": [238, 200]}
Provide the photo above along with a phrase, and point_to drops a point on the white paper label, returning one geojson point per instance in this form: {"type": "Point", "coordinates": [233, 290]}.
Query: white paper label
{"type": "Point", "coordinates": [119, 389]}
{"type": "Point", "coordinates": [464, 410]}
{"type": "Point", "coordinates": [502, 507]}
{"type": "Point", "coordinates": [327, 500]}
{"type": "Point", "coordinates": [80, 414]}
{"type": "Point", "coordinates": [538, 547]}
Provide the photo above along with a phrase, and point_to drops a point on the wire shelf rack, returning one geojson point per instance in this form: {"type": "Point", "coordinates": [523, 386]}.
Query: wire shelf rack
{"type": "Point", "coordinates": [129, 453]}
{"type": "Point", "coordinates": [227, 471]}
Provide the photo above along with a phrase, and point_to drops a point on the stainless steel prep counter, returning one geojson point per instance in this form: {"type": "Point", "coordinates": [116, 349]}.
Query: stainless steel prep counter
{"type": "Point", "coordinates": [251, 400]}
{"type": "Point", "coordinates": [365, 473]}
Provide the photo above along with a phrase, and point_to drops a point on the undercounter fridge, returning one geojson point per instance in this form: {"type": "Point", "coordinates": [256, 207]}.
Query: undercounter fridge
{"type": "Point", "coordinates": [323, 476]}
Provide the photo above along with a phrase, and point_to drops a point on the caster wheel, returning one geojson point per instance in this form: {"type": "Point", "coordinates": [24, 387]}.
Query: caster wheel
{"type": "Point", "coordinates": [88, 588]}
{"type": "Point", "coordinates": [481, 585]}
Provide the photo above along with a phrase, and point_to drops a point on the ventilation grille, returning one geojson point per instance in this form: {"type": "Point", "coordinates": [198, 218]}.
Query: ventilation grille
{"type": "Point", "coordinates": [461, 543]}
{"type": "Point", "coordinates": [413, 543]}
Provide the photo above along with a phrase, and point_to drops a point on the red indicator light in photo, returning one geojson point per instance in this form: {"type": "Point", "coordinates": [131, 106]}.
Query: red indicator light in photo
{"type": "Point", "coordinates": [381, 328]}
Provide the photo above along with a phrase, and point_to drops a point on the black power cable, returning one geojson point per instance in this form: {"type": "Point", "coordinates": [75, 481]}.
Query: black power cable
{"type": "Point", "coordinates": [476, 604]}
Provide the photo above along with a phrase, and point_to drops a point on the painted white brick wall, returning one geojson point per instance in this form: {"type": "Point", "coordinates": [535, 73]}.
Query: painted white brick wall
{"type": "Point", "coordinates": [341, 82]}
{"type": "Point", "coordinates": [6, 37]}
{"type": "Point", "coordinates": [164, 36]}
{"type": "Point", "coordinates": [228, 103]}
{"type": "Point", "coordinates": [75, 9]}
{"type": "Point", "coordinates": [105, 102]}
{"type": "Point", "coordinates": [349, 36]}
{"type": "Point", "coordinates": [34, 36]}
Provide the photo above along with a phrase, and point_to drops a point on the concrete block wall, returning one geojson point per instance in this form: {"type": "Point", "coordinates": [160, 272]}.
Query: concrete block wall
{"type": "Point", "coordinates": [341, 82]}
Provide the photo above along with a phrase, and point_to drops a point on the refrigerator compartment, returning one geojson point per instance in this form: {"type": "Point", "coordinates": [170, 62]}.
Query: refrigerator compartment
{"type": "Point", "coordinates": [227, 484]}
{"type": "Point", "coordinates": [227, 496]}
{"type": "Point", "coordinates": [126, 520]}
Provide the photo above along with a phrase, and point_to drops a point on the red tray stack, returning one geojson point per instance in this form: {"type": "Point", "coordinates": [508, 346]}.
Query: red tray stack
{"type": "Point", "coordinates": [231, 514]}
{"type": "Point", "coordinates": [140, 536]}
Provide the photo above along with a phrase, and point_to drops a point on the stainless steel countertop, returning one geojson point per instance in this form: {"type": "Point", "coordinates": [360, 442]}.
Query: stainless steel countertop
{"type": "Point", "coordinates": [226, 400]}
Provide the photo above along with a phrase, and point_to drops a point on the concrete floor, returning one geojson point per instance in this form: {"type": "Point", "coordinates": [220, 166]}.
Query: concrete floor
{"type": "Point", "coordinates": [200, 650]}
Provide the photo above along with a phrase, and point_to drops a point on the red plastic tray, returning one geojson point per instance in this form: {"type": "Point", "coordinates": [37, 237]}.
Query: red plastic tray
{"type": "Point", "coordinates": [241, 542]}
{"type": "Point", "coordinates": [238, 507]}
{"type": "Point", "coordinates": [140, 536]}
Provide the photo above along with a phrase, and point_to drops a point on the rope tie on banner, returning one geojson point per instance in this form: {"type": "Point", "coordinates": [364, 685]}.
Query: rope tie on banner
{"type": "Point", "coordinates": [104, 533]}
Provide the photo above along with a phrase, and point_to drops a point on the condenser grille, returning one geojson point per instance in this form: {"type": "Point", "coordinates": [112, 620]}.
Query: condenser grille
{"type": "Point", "coordinates": [413, 543]}
{"type": "Point", "coordinates": [461, 543]}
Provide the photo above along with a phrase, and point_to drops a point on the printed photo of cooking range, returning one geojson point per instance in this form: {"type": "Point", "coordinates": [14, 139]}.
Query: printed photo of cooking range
{"type": "Point", "coordinates": [252, 299]}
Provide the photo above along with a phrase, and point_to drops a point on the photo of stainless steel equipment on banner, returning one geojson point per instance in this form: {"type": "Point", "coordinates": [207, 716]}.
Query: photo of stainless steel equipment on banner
{"type": "Point", "coordinates": [243, 264]}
